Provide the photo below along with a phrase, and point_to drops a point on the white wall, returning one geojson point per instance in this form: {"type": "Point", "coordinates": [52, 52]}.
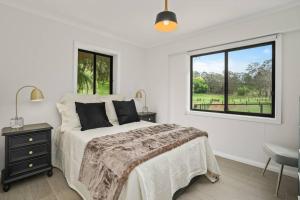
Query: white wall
{"type": "Point", "coordinates": [236, 139]}
{"type": "Point", "coordinates": [39, 51]}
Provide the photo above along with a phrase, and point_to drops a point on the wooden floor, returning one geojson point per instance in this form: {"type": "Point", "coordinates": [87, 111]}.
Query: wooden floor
{"type": "Point", "coordinates": [238, 182]}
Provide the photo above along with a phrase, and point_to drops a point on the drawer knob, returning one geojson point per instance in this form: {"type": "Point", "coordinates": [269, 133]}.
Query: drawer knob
{"type": "Point", "coordinates": [30, 139]}
{"type": "Point", "coordinates": [30, 165]}
{"type": "Point", "coordinates": [30, 152]}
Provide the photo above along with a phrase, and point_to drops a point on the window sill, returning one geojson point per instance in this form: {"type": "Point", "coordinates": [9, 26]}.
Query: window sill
{"type": "Point", "coordinates": [276, 120]}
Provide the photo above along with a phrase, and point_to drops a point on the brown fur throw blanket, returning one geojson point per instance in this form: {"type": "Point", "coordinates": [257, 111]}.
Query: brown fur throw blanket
{"type": "Point", "coordinates": [108, 160]}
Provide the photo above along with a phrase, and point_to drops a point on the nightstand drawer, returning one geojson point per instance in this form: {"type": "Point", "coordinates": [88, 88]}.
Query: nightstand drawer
{"type": "Point", "coordinates": [28, 165]}
{"type": "Point", "coordinates": [28, 139]}
{"type": "Point", "coordinates": [27, 152]}
{"type": "Point", "coordinates": [149, 118]}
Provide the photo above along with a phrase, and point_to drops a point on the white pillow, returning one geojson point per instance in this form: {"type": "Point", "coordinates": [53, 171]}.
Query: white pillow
{"type": "Point", "coordinates": [109, 107]}
{"type": "Point", "coordinates": [67, 109]}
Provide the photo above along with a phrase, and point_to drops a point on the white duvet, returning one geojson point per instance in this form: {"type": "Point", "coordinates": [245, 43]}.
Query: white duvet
{"type": "Point", "coordinates": [156, 179]}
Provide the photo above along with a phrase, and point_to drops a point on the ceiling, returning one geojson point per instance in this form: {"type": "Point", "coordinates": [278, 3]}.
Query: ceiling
{"type": "Point", "coordinates": [132, 20]}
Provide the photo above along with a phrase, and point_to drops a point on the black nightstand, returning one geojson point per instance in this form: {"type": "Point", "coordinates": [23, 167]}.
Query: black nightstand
{"type": "Point", "coordinates": [148, 116]}
{"type": "Point", "coordinates": [27, 152]}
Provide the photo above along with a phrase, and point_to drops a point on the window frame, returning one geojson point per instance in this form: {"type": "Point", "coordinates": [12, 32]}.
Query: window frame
{"type": "Point", "coordinates": [95, 54]}
{"type": "Point", "coordinates": [226, 51]}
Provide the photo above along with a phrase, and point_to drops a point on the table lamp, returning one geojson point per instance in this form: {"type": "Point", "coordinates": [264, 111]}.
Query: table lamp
{"type": "Point", "coordinates": [142, 94]}
{"type": "Point", "coordinates": [36, 95]}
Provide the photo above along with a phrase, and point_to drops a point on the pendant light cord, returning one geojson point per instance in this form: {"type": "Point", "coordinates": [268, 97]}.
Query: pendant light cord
{"type": "Point", "coordinates": [166, 5]}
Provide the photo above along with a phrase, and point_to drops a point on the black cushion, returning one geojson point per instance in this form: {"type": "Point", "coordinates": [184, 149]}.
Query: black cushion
{"type": "Point", "coordinates": [92, 115]}
{"type": "Point", "coordinates": [126, 111]}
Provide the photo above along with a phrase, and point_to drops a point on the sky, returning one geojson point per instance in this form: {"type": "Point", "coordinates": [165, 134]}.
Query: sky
{"type": "Point", "coordinates": [237, 60]}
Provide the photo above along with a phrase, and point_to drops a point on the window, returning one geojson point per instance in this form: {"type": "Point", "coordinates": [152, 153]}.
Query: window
{"type": "Point", "coordinates": [235, 81]}
{"type": "Point", "coordinates": [94, 73]}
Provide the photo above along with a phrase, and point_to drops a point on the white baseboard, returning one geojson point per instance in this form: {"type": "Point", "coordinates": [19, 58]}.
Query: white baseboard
{"type": "Point", "coordinates": [287, 171]}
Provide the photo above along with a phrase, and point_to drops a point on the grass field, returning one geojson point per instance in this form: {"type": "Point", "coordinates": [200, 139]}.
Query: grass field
{"type": "Point", "coordinates": [101, 89]}
{"type": "Point", "coordinates": [236, 103]}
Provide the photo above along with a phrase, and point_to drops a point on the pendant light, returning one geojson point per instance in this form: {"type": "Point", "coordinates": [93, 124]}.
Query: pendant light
{"type": "Point", "coordinates": [166, 20]}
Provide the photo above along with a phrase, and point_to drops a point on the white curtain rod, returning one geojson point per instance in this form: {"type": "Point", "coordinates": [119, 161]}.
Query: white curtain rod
{"type": "Point", "coordinates": [218, 45]}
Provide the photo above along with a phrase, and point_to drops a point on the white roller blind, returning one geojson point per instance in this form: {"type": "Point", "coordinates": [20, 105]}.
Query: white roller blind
{"type": "Point", "coordinates": [229, 45]}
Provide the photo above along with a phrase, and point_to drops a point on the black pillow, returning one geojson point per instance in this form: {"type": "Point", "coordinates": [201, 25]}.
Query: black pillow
{"type": "Point", "coordinates": [126, 111]}
{"type": "Point", "coordinates": [92, 115]}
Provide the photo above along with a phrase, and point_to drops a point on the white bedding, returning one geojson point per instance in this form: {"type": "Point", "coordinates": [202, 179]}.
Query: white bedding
{"type": "Point", "coordinates": [156, 179]}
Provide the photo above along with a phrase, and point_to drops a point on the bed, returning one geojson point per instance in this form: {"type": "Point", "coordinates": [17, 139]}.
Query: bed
{"type": "Point", "coordinates": [157, 178]}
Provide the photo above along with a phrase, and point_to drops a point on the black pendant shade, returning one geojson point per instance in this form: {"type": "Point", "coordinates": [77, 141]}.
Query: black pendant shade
{"type": "Point", "coordinates": [166, 16]}
{"type": "Point", "coordinates": [166, 20]}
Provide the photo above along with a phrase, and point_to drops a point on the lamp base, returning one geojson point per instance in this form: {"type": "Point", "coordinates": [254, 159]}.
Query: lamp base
{"type": "Point", "coordinates": [17, 122]}
{"type": "Point", "coordinates": [145, 109]}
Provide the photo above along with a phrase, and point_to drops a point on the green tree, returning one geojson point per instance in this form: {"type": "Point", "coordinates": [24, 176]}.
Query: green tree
{"type": "Point", "coordinates": [84, 74]}
{"type": "Point", "coordinates": [261, 77]}
{"type": "Point", "coordinates": [102, 74]}
{"type": "Point", "coordinates": [242, 90]}
{"type": "Point", "coordinates": [215, 82]}
{"type": "Point", "coordinates": [102, 69]}
{"type": "Point", "coordinates": [234, 81]}
{"type": "Point", "coordinates": [196, 74]}
{"type": "Point", "coordinates": [84, 80]}
{"type": "Point", "coordinates": [199, 85]}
